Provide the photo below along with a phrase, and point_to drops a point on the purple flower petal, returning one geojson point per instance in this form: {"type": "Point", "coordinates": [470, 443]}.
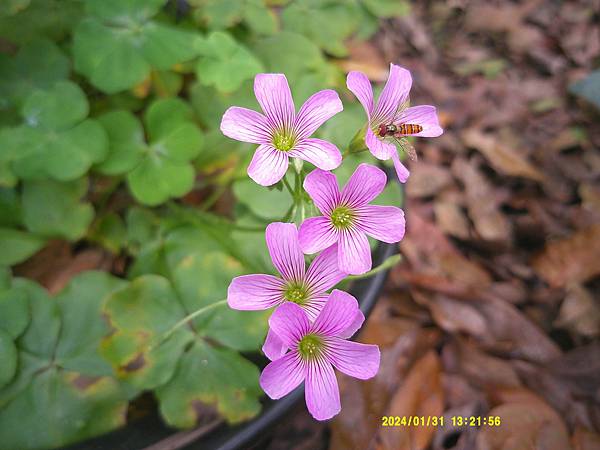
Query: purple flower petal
{"type": "Point", "coordinates": [378, 148]}
{"type": "Point", "coordinates": [314, 306]}
{"type": "Point", "coordinates": [254, 292]}
{"type": "Point", "coordinates": [246, 125]}
{"type": "Point", "coordinates": [357, 322]}
{"type": "Point", "coordinates": [352, 358]}
{"type": "Point", "coordinates": [401, 169]}
{"type": "Point", "coordinates": [290, 323]}
{"type": "Point", "coordinates": [275, 98]}
{"type": "Point", "coordinates": [283, 375]}
{"type": "Point", "coordinates": [316, 234]}
{"type": "Point", "coordinates": [323, 272]}
{"type": "Point", "coordinates": [354, 254]}
{"type": "Point", "coordinates": [424, 115]}
{"type": "Point", "coordinates": [384, 223]}
{"type": "Point", "coordinates": [321, 390]}
{"type": "Point", "coordinates": [337, 315]}
{"type": "Point", "coordinates": [360, 86]}
{"type": "Point", "coordinates": [273, 348]}
{"type": "Point", "coordinates": [282, 242]}
{"type": "Point", "coordinates": [320, 107]}
{"type": "Point", "coordinates": [268, 165]}
{"type": "Point", "coordinates": [366, 183]}
{"type": "Point", "coordinates": [394, 94]}
{"type": "Point", "coordinates": [323, 189]}
{"type": "Point", "coordinates": [318, 152]}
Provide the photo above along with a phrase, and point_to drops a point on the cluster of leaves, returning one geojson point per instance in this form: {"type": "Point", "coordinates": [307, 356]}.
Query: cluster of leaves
{"type": "Point", "coordinates": [109, 113]}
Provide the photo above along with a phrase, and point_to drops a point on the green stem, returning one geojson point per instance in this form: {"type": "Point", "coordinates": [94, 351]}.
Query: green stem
{"type": "Point", "coordinates": [288, 186]}
{"type": "Point", "coordinates": [163, 337]}
{"type": "Point", "coordinates": [387, 264]}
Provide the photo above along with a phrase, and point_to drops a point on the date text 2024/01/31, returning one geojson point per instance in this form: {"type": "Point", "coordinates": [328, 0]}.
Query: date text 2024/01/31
{"type": "Point", "coordinates": [440, 421]}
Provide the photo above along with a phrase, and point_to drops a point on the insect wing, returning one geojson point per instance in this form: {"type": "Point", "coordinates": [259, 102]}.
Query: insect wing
{"type": "Point", "coordinates": [406, 147]}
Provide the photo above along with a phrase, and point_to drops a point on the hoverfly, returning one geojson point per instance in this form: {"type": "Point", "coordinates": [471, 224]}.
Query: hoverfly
{"type": "Point", "coordinates": [399, 131]}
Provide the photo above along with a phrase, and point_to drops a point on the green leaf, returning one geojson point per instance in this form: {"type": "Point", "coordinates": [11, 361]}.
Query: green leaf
{"type": "Point", "coordinates": [289, 53]}
{"type": "Point", "coordinates": [217, 377]}
{"type": "Point", "coordinates": [110, 232]}
{"type": "Point", "coordinates": [202, 278]}
{"type": "Point", "coordinates": [51, 19]}
{"type": "Point", "coordinates": [60, 407]}
{"type": "Point", "coordinates": [59, 107]}
{"type": "Point", "coordinates": [263, 202]}
{"type": "Point", "coordinates": [14, 312]}
{"type": "Point", "coordinates": [218, 14]}
{"type": "Point", "coordinates": [53, 209]}
{"type": "Point", "coordinates": [80, 304]}
{"type": "Point", "coordinates": [8, 358]}
{"type": "Point", "coordinates": [224, 63]}
{"type": "Point", "coordinates": [164, 171]}
{"type": "Point", "coordinates": [54, 141]}
{"type": "Point", "coordinates": [387, 8]}
{"type": "Point", "coordinates": [59, 393]}
{"type": "Point", "coordinates": [126, 142]}
{"type": "Point", "coordinates": [314, 19]}
{"type": "Point", "coordinates": [588, 88]}
{"type": "Point", "coordinates": [157, 179]}
{"type": "Point", "coordinates": [210, 104]}
{"type": "Point", "coordinates": [38, 65]}
{"type": "Point", "coordinates": [139, 314]}
{"type": "Point", "coordinates": [17, 245]}
{"type": "Point", "coordinates": [41, 335]}
{"type": "Point", "coordinates": [165, 114]}
{"type": "Point", "coordinates": [118, 44]}
{"type": "Point", "coordinates": [260, 19]}
{"type": "Point", "coordinates": [10, 207]}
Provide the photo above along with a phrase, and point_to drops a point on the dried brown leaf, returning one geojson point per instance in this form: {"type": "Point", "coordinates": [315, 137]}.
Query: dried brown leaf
{"type": "Point", "coordinates": [427, 179]}
{"type": "Point", "coordinates": [451, 219]}
{"type": "Point", "coordinates": [527, 423]}
{"type": "Point", "coordinates": [585, 439]}
{"type": "Point", "coordinates": [420, 394]}
{"type": "Point", "coordinates": [482, 202]}
{"type": "Point", "coordinates": [571, 260]}
{"type": "Point", "coordinates": [503, 157]}
{"type": "Point", "coordinates": [579, 312]}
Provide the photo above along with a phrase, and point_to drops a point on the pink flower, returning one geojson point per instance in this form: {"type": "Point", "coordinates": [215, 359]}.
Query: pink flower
{"type": "Point", "coordinates": [315, 349]}
{"type": "Point", "coordinates": [306, 288]}
{"type": "Point", "coordinates": [391, 110]}
{"type": "Point", "coordinates": [281, 132]}
{"type": "Point", "coordinates": [348, 218]}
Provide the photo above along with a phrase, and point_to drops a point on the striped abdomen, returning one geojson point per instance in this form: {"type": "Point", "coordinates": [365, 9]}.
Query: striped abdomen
{"type": "Point", "coordinates": [409, 128]}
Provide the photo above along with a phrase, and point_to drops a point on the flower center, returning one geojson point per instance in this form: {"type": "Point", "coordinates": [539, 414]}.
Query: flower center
{"type": "Point", "coordinates": [342, 217]}
{"type": "Point", "coordinates": [310, 346]}
{"type": "Point", "coordinates": [283, 140]}
{"type": "Point", "coordinates": [296, 293]}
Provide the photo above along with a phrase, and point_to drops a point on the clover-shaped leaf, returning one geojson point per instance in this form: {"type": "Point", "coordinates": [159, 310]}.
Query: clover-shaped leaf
{"type": "Point", "coordinates": [314, 19]}
{"type": "Point", "coordinates": [18, 245]}
{"type": "Point", "coordinates": [116, 46]}
{"type": "Point", "coordinates": [38, 65]}
{"type": "Point", "coordinates": [147, 355]}
{"type": "Point", "coordinates": [54, 209]}
{"type": "Point", "coordinates": [56, 140]}
{"type": "Point", "coordinates": [213, 376]}
{"type": "Point", "coordinates": [52, 19]}
{"type": "Point", "coordinates": [160, 169]}
{"type": "Point", "coordinates": [224, 63]}
{"type": "Point", "coordinates": [63, 391]}
{"type": "Point", "coordinates": [140, 314]}
{"type": "Point", "coordinates": [221, 14]}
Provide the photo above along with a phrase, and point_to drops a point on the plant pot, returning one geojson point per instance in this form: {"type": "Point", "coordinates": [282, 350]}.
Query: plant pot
{"type": "Point", "coordinates": [151, 433]}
